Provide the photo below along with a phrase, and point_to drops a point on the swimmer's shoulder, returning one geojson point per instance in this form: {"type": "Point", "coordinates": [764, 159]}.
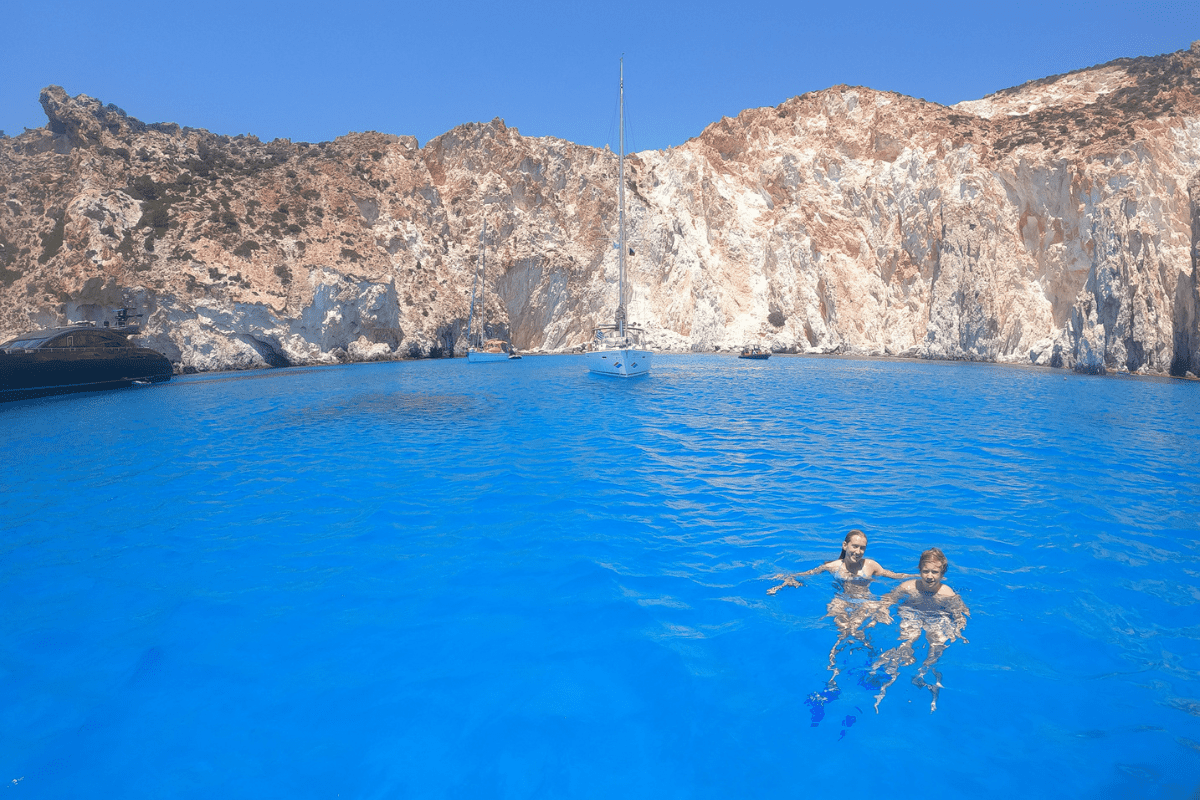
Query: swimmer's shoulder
{"type": "Point", "coordinates": [945, 592]}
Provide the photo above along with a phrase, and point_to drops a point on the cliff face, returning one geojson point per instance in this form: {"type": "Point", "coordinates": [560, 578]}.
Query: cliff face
{"type": "Point", "coordinates": [1055, 223]}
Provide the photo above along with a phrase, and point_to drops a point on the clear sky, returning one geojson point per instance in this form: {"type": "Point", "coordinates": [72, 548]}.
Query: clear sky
{"type": "Point", "coordinates": [313, 71]}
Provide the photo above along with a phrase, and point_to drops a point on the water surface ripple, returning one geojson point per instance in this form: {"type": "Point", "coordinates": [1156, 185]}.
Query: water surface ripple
{"type": "Point", "coordinates": [435, 579]}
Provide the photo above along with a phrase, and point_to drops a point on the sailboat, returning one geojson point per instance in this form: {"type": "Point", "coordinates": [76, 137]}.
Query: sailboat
{"type": "Point", "coordinates": [615, 349]}
{"type": "Point", "coordinates": [478, 349]}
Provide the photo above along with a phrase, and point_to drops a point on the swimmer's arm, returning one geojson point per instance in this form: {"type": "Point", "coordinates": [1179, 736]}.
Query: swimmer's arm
{"type": "Point", "coordinates": [887, 573]}
{"type": "Point", "coordinates": [819, 568]}
{"type": "Point", "coordinates": [900, 595]}
{"type": "Point", "coordinates": [879, 609]}
{"type": "Point", "coordinates": [791, 579]}
{"type": "Point", "coordinates": [894, 596]}
{"type": "Point", "coordinates": [958, 613]}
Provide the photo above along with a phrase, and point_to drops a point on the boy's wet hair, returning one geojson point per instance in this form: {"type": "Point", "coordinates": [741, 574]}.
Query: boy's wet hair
{"type": "Point", "coordinates": [855, 532]}
{"type": "Point", "coordinates": [936, 556]}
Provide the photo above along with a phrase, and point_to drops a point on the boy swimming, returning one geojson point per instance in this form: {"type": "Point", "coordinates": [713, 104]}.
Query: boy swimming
{"type": "Point", "coordinates": [925, 604]}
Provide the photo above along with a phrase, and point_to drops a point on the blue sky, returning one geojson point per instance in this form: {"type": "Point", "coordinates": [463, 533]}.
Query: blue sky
{"type": "Point", "coordinates": [311, 72]}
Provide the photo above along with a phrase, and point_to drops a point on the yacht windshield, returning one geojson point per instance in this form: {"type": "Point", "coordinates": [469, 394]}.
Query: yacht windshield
{"type": "Point", "coordinates": [21, 344]}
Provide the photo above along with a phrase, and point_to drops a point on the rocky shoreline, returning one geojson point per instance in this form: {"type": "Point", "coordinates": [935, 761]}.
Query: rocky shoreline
{"type": "Point", "coordinates": [1052, 224]}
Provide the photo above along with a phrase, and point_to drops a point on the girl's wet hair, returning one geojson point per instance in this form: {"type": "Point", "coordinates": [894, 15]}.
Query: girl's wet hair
{"type": "Point", "coordinates": [855, 532]}
{"type": "Point", "coordinates": [936, 556]}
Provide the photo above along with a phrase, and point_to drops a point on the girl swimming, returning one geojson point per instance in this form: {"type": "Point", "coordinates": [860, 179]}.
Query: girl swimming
{"type": "Point", "coordinates": [852, 605]}
{"type": "Point", "coordinates": [851, 565]}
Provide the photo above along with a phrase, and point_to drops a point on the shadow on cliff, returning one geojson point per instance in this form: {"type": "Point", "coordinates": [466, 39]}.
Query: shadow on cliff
{"type": "Point", "coordinates": [266, 352]}
{"type": "Point", "coordinates": [1185, 322]}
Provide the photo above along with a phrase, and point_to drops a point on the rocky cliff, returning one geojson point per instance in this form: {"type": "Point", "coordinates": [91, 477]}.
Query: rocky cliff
{"type": "Point", "coordinates": [1055, 223]}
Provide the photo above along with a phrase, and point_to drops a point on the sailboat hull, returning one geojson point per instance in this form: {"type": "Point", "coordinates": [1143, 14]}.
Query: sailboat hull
{"type": "Point", "coordinates": [480, 357]}
{"type": "Point", "coordinates": [625, 362]}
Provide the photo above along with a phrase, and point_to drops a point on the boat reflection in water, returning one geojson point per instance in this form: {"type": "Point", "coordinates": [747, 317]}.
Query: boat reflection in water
{"type": "Point", "coordinates": [77, 358]}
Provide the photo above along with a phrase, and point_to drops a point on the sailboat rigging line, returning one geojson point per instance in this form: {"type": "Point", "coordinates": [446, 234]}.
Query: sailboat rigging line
{"type": "Point", "coordinates": [630, 133]}
{"type": "Point", "coordinates": [613, 125]}
{"type": "Point", "coordinates": [630, 129]}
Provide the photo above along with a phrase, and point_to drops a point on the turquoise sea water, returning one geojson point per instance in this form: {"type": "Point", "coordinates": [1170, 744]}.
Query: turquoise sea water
{"type": "Point", "coordinates": [435, 579]}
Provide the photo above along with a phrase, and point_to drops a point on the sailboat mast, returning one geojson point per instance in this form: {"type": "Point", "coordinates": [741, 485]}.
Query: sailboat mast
{"type": "Point", "coordinates": [483, 287]}
{"type": "Point", "coordinates": [471, 315]}
{"type": "Point", "coordinates": [621, 215]}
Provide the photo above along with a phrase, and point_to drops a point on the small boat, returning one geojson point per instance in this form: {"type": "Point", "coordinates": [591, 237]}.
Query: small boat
{"type": "Point", "coordinates": [492, 350]}
{"type": "Point", "coordinates": [478, 350]}
{"type": "Point", "coordinates": [754, 351]}
{"type": "Point", "coordinates": [615, 348]}
{"type": "Point", "coordinates": [77, 358]}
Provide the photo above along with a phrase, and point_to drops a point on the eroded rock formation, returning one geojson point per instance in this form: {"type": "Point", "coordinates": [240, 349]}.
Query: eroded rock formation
{"type": "Point", "coordinates": [1055, 223]}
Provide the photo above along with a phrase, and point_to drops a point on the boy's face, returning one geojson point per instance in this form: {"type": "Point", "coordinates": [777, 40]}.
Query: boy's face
{"type": "Point", "coordinates": [931, 575]}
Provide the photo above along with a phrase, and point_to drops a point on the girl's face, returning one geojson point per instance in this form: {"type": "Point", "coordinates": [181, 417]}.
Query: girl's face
{"type": "Point", "coordinates": [931, 575]}
{"type": "Point", "coordinates": [856, 547]}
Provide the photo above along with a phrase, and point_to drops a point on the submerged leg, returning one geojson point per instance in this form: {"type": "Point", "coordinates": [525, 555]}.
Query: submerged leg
{"type": "Point", "coordinates": [834, 671]}
{"type": "Point", "coordinates": [848, 632]}
{"type": "Point", "coordinates": [934, 688]}
{"type": "Point", "coordinates": [892, 661]}
{"type": "Point", "coordinates": [851, 631]}
{"type": "Point", "coordinates": [937, 646]}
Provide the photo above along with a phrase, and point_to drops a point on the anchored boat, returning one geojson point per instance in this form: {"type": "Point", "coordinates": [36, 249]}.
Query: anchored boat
{"type": "Point", "coordinates": [754, 351]}
{"type": "Point", "coordinates": [480, 350]}
{"type": "Point", "coordinates": [77, 358]}
{"type": "Point", "coordinates": [615, 348]}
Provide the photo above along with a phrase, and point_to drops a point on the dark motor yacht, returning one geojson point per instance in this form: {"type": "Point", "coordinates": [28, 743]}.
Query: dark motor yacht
{"type": "Point", "coordinates": [77, 358]}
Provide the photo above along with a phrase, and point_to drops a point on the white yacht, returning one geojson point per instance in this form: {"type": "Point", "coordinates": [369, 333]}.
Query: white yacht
{"type": "Point", "coordinates": [615, 348]}
{"type": "Point", "coordinates": [480, 349]}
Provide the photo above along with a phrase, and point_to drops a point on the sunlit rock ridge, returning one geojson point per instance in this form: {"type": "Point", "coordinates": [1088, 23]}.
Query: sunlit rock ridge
{"type": "Point", "coordinates": [1055, 223]}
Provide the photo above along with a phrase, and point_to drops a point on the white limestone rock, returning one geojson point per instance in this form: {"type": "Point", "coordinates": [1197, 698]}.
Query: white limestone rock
{"type": "Point", "coordinates": [1054, 224]}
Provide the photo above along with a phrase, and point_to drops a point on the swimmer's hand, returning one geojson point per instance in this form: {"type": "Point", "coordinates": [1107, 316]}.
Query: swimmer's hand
{"type": "Point", "coordinates": [788, 580]}
{"type": "Point", "coordinates": [878, 614]}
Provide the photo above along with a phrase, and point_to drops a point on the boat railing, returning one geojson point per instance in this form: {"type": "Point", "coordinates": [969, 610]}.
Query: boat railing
{"type": "Point", "coordinates": [609, 336]}
{"type": "Point", "coordinates": [494, 346]}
